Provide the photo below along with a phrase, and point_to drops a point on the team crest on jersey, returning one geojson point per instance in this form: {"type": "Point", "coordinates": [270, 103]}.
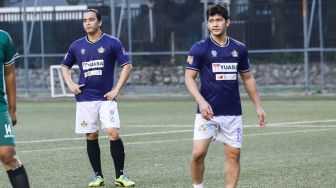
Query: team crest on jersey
{"type": "Point", "coordinates": [190, 59]}
{"type": "Point", "coordinates": [202, 128]}
{"type": "Point", "coordinates": [84, 123]}
{"type": "Point", "coordinates": [101, 50]}
{"type": "Point", "coordinates": [82, 51]}
{"type": "Point", "coordinates": [234, 53]}
{"type": "Point", "coordinates": [214, 53]}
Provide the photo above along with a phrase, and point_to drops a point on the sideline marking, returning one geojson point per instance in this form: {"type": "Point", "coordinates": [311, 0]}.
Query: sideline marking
{"type": "Point", "coordinates": [176, 140]}
{"type": "Point", "coordinates": [189, 130]}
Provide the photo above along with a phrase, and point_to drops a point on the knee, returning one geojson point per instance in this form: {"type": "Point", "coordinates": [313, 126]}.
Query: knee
{"type": "Point", "coordinates": [197, 156]}
{"type": "Point", "coordinates": [92, 136]}
{"type": "Point", "coordinates": [10, 159]}
{"type": "Point", "coordinates": [113, 134]}
{"type": "Point", "coordinates": [233, 155]}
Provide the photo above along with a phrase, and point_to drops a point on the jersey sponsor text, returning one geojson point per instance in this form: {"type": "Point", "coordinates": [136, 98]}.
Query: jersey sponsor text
{"type": "Point", "coordinates": [224, 67]}
{"type": "Point", "coordinates": [93, 73]}
{"type": "Point", "coordinates": [226, 76]}
{"type": "Point", "coordinates": [93, 64]}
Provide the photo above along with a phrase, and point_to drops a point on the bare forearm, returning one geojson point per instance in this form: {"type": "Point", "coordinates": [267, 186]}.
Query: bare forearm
{"type": "Point", "coordinates": [66, 73]}
{"type": "Point", "coordinates": [124, 75]}
{"type": "Point", "coordinates": [193, 89]}
{"type": "Point", "coordinates": [251, 88]}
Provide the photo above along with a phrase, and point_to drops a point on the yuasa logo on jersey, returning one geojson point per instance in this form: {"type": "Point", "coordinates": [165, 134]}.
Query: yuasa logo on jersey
{"type": "Point", "coordinates": [190, 59]}
{"type": "Point", "coordinates": [234, 53]}
{"type": "Point", "coordinates": [214, 53]}
{"type": "Point", "coordinates": [224, 67]}
{"type": "Point", "coordinates": [82, 51]}
{"type": "Point", "coordinates": [93, 64]}
{"type": "Point", "coordinates": [101, 50]}
{"type": "Point", "coordinates": [226, 76]}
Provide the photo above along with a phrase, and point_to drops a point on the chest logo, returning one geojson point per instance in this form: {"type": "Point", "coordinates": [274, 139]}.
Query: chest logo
{"type": "Point", "coordinates": [101, 50]}
{"type": "Point", "coordinates": [82, 51]}
{"type": "Point", "coordinates": [214, 53]}
{"type": "Point", "coordinates": [234, 53]}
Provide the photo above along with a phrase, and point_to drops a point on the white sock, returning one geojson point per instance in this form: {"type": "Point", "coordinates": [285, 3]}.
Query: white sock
{"type": "Point", "coordinates": [198, 185]}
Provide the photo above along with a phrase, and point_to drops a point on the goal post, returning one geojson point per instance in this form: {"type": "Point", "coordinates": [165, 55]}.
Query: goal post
{"type": "Point", "coordinates": [58, 86]}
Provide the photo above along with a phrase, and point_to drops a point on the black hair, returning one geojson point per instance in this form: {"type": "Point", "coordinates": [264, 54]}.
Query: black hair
{"type": "Point", "coordinates": [95, 11]}
{"type": "Point", "coordinates": [220, 9]}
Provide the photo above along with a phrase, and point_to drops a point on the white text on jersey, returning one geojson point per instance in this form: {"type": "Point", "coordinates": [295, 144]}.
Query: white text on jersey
{"type": "Point", "coordinates": [93, 64]}
{"type": "Point", "coordinates": [224, 67]}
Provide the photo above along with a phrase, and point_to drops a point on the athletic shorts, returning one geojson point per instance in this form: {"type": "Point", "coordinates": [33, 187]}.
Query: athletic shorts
{"type": "Point", "coordinates": [6, 130]}
{"type": "Point", "coordinates": [96, 115]}
{"type": "Point", "coordinates": [226, 129]}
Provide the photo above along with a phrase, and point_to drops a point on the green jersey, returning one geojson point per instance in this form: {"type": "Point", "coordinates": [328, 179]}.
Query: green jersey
{"type": "Point", "coordinates": [8, 54]}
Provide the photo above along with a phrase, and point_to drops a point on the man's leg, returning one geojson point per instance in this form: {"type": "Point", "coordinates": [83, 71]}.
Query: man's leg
{"type": "Point", "coordinates": [15, 170]}
{"type": "Point", "coordinates": [197, 166]}
{"type": "Point", "coordinates": [118, 156]}
{"type": "Point", "coordinates": [232, 166]}
{"type": "Point", "coordinates": [93, 152]}
{"type": "Point", "coordinates": [117, 150]}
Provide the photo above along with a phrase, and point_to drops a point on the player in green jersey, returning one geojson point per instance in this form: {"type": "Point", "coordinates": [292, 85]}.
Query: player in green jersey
{"type": "Point", "coordinates": [16, 171]}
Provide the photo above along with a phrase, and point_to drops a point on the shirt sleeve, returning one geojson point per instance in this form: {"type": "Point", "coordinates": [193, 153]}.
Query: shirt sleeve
{"type": "Point", "coordinates": [10, 51]}
{"type": "Point", "coordinates": [69, 58]}
{"type": "Point", "coordinates": [244, 64]}
{"type": "Point", "coordinates": [120, 53]}
{"type": "Point", "coordinates": [194, 59]}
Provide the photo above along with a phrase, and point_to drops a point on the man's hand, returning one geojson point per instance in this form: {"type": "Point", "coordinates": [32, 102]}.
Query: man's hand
{"type": "Point", "coordinates": [205, 110]}
{"type": "Point", "coordinates": [262, 117]}
{"type": "Point", "coordinates": [75, 88]}
{"type": "Point", "coordinates": [111, 95]}
{"type": "Point", "coordinates": [13, 118]}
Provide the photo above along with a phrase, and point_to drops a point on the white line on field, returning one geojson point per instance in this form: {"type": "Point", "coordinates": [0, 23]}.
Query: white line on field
{"type": "Point", "coordinates": [177, 140]}
{"type": "Point", "coordinates": [189, 130]}
{"type": "Point", "coordinates": [246, 126]}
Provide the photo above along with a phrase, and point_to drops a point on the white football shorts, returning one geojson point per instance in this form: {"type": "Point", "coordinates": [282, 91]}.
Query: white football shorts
{"type": "Point", "coordinates": [96, 115]}
{"type": "Point", "coordinates": [226, 129]}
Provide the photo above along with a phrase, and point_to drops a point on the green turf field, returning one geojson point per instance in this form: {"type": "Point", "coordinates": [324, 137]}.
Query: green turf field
{"type": "Point", "coordinates": [297, 149]}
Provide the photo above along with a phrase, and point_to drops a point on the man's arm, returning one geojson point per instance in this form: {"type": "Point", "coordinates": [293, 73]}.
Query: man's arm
{"type": "Point", "coordinates": [192, 87]}
{"type": "Point", "coordinates": [251, 88]}
{"type": "Point", "coordinates": [11, 91]}
{"type": "Point", "coordinates": [124, 74]}
{"type": "Point", "coordinates": [66, 73]}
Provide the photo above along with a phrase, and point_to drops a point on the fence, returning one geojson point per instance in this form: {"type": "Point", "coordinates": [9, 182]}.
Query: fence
{"type": "Point", "coordinates": [159, 50]}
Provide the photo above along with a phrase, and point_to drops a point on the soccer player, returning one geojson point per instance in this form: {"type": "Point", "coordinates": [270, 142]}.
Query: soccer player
{"type": "Point", "coordinates": [15, 169]}
{"type": "Point", "coordinates": [96, 54]}
{"type": "Point", "coordinates": [218, 59]}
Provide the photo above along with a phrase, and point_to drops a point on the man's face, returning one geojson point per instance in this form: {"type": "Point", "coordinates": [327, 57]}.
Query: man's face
{"type": "Point", "coordinates": [90, 23]}
{"type": "Point", "coordinates": [217, 25]}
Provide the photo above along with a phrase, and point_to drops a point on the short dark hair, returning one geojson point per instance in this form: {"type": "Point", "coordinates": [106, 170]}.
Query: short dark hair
{"type": "Point", "coordinates": [220, 9]}
{"type": "Point", "coordinates": [95, 11]}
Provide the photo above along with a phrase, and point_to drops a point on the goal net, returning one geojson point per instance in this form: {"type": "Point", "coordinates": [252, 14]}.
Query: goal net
{"type": "Point", "coordinates": [58, 86]}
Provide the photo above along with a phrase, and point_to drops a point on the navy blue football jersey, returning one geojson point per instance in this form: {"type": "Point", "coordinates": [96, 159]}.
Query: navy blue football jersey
{"type": "Point", "coordinates": [218, 67]}
{"type": "Point", "coordinates": [96, 61]}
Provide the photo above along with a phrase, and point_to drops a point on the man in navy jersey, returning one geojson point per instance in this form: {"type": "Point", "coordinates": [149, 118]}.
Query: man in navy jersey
{"type": "Point", "coordinates": [95, 93]}
{"type": "Point", "coordinates": [218, 59]}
